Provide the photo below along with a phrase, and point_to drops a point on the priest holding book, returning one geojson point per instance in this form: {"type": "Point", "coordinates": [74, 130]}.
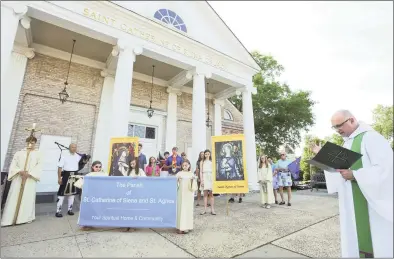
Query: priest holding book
{"type": "Point", "coordinates": [365, 190]}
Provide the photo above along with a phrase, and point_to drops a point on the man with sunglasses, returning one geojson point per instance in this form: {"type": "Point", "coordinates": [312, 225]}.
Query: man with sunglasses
{"type": "Point", "coordinates": [365, 190]}
{"type": "Point", "coordinates": [284, 178]}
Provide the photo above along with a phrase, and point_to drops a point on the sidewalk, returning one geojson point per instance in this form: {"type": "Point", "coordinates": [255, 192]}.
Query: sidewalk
{"type": "Point", "coordinates": [309, 228]}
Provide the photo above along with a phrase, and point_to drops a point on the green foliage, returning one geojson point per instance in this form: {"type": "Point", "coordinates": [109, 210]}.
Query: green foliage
{"type": "Point", "coordinates": [307, 154]}
{"type": "Point", "coordinates": [279, 113]}
{"type": "Point", "coordinates": [336, 139]}
{"type": "Point", "coordinates": [383, 121]}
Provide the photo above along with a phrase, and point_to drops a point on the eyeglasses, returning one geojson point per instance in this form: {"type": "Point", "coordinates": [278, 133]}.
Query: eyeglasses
{"type": "Point", "coordinates": [334, 127]}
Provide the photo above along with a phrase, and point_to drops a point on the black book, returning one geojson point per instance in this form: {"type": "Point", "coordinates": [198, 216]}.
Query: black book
{"type": "Point", "coordinates": [332, 157]}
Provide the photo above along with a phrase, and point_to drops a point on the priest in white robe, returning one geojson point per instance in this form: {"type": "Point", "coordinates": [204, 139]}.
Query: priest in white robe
{"type": "Point", "coordinates": [187, 185]}
{"type": "Point", "coordinates": [32, 175]}
{"type": "Point", "coordinates": [365, 190]}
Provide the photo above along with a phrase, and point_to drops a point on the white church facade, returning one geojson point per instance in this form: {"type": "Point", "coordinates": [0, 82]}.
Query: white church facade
{"type": "Point", "coordinates": [177, 57]}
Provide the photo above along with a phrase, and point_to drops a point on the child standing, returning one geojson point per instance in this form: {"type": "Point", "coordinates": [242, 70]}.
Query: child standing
{"type": "Point", "coordinates": [187, 185]}
{"type": "Point", "coordinates": [264, 176]}
{"type": "Point", "coordinates": [206, 181]}
{"type": "Point", "coordinates": [152, 169]}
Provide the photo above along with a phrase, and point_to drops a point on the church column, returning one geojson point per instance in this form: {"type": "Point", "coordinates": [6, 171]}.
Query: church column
{"type": "Point", "coordinates": [11, 13]}
{"type": "Point", "coordinates": [250, 142]}
{"type": "Point", "coordinates": [172, 117]}
{"type": "Point", "coordinates": [10, 90]}
{"type": "Point", "coordinates": [121, 97]}
{"type": "Point", "coordinates": [102, 136]}
{"type": "Point", "coordinates": [218, 116]}
{"type": "Point", "coordinates": [198, 111]}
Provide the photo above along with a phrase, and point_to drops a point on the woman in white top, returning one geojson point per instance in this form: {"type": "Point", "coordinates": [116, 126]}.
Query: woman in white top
{"type": "Point", "coordinates": [264, 176]}
{"type": "Point", "coordinates": [206, 181]}
{"type": "Point", "coordinates": [134, 169]}
{"type": "Point", "coordinates": [95, 170]}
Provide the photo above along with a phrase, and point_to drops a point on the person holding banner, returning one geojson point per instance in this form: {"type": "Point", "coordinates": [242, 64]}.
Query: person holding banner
{"type": "Point", "coordinates": [207, 181]}
{"type": "Point", "coordinates": [187, 185]}
{"type": "Point", "coordinates": [264, 176]}
{"type": "Point", "coordinates": [134, 169]}
{"type": "Point", "coordinates": [152, 169]}
{"type": "Point", "coordinates": [95, 170]}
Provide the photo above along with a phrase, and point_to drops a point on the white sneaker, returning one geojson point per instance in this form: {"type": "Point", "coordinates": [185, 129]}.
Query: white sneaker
{"type": "Point", "coordinates": [268, 206]}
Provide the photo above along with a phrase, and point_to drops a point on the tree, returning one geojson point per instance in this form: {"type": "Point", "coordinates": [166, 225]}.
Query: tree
{"type": "Point", "coordinates": [336, 139]}
{"type": "Point", "coordinates": [279, 113]}
{"type": "Point", "coordinates": [383, 121]}
{"type": "Point", "coordinates": [307, 154]}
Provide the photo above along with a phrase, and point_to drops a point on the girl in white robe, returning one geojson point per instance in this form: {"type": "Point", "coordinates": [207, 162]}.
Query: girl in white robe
{"type": "Point", "coordinates": [264, 177]}
{"type": "Point", "coordinates": [187, 185]}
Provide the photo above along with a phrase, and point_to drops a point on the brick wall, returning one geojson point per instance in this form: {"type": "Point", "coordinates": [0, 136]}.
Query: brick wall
{"type": "Point", "coordinates": [39, 103]}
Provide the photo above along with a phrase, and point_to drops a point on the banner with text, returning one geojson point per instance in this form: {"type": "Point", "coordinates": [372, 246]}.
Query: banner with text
{"type": "Point", "coordinates": [119, 201]}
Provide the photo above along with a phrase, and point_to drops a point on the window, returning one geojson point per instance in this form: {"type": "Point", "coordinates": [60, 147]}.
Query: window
{"type": "Point", "coordinates": [171, 18]}
{"type": "Point", "coordinates": [228, 116]}
{"type": "Point", "coordinates": [141, 131]}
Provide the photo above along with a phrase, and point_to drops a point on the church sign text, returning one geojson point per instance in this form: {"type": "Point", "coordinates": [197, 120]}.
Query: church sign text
{"type": "Point", "coordinates": [148, 36]}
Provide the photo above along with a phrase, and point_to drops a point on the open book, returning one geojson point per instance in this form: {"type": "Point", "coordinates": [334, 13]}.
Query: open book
{"type": "Point", "coordinates": [332, 157]}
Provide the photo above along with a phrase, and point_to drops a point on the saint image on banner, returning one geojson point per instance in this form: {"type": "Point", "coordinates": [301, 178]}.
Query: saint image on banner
{"type": "Point", "coordinates": [229, 161]}
{"type": "Point", "coordinates": [228, 164]}
{"type": "Point", "coordinates": [122, 151]}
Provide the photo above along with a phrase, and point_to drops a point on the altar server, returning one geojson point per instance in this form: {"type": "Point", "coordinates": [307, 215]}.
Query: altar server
{"type": "Point", "coordinates": [365, 190]}
{"type": "Point", "coordinates": [187, 185]}
{"type": "Point", "coordinates": [22, 210]}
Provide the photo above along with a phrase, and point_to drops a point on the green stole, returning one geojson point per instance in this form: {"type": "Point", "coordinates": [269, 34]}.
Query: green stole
{"type": "Point", "coordinates": [361, 208]}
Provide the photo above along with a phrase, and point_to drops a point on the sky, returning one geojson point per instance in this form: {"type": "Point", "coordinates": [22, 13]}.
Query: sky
{"type": "Point", "coordinates": [340, 51]}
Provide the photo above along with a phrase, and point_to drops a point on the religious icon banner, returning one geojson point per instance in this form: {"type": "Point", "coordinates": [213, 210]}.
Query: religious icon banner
{"type": "Point", "coordinates": [121, 152]}
{"type": "Point", "coordinates": [117, 201]}
{"type": "Point", "coordinates": [229, 164]}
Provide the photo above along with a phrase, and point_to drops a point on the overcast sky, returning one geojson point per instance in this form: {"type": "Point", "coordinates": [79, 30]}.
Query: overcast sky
{"type": "Point", "coordinates": [341, 51]}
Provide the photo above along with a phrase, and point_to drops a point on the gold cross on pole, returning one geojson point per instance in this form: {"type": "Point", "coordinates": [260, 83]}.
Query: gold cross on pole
{"type": "Point", "coordinates": [32, 130]}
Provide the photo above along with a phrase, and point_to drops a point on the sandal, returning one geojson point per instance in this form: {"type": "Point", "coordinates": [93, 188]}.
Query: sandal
{"type": "Point", "coordinates": [213, 213]}
{"type": "Point", "coordinates": [203, 213]}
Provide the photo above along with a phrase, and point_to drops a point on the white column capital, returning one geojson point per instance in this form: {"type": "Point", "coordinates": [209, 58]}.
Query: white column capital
{"type": "Point", "coordinates": [107, 73]}
{"type": "Point", "coordinates": [172, 90]}
{"type": "Point", "coordinates": [123, 45]}
{"type": "Point", "coordinates": [218, 102]}
{"type": "Point", "coordinates": [198, 72]}
{"type": "Point", "coordinates": [20, 9]}
{"type": "Point", "coordinates": [27, 52]}
{"type": "Point", "coordinates": [25, 22]}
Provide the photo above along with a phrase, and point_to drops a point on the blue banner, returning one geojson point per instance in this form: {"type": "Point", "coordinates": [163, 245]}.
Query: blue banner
{"type": "Point", "coordinates": [119, 201]}
{"type": "Point", "coordinates": [294, 168]}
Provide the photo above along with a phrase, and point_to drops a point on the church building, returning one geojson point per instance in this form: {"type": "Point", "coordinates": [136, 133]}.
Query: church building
{"type": "Point", "coordinates": [160, 70]}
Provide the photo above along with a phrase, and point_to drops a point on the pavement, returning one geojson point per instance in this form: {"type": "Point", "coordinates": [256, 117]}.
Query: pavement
{"type": "Point", "coordinates": [309, 228]}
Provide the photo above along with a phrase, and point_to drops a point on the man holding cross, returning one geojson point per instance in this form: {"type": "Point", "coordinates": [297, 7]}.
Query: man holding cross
{"type": "Point", "coordinates": [24, 172]}
{"type": "Point", "coordinates": [365, 190]}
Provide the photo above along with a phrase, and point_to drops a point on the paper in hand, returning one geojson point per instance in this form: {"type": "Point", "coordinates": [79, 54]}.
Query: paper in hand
{"type": "Point", "coordinates": [332, 157]}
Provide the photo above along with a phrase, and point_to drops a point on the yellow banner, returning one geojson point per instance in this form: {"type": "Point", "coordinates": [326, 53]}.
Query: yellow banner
{"type": "Point", "coordinates": [121, 151]}
{"type": "Point", "coordinates": [229, 164]}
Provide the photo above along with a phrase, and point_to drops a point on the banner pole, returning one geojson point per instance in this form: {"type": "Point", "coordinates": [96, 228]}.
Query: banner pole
{"type": "Point", "coordinates": [227, 203]}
